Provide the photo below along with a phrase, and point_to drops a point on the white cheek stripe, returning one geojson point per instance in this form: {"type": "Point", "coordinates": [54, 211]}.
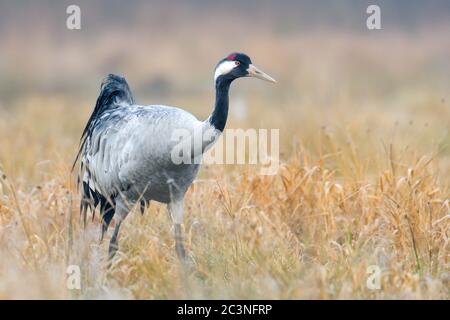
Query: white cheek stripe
{"type": "Point", "coordinates": [224, 68]}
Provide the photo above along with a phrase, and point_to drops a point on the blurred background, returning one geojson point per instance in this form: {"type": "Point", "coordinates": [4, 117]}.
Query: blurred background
{"type": "Point", "coordinates": [334, 75]}
{"type": "Point", "coordinates": [364, 119]}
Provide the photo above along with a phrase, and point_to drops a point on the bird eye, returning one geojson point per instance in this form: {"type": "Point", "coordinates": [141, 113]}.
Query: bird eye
{"type": "Point", "coordinates": [237, 63]}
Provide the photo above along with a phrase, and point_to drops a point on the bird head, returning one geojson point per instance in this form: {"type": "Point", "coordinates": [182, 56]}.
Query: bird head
{"type": "Point", "coordinates": [237, 65]}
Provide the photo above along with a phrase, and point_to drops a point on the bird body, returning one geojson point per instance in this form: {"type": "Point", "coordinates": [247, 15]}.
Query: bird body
{"type": "Point", "coordinates": [132, 156]}
{"type": "Point", "coordinates": [126, 153]}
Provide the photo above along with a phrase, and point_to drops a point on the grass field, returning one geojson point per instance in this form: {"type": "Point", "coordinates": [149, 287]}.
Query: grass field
{"type": "Point", "coordinates": [364, 180]}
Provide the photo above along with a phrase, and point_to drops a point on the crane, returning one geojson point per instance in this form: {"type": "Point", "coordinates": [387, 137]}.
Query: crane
{"type": "Point", "coordinates": [126, 149]}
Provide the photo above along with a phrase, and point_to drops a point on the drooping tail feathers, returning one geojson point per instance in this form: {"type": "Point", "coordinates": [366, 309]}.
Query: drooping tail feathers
{"type": "Point", "coordinates": [114, 93]}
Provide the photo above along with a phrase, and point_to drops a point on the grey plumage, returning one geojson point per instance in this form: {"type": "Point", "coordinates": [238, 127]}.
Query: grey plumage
{"type": "Point", "coordinates": [125, 154]}
{"type": "Point", "coordinates": [126, 150]}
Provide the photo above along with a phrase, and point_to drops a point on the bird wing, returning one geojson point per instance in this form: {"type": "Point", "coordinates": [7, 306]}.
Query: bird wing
{"type": "Point", "coordinates": [127, 148]}
{"type": "Point", "coordinates": [114, 94]}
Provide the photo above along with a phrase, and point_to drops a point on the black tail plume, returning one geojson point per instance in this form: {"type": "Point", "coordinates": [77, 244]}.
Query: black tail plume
{"type": "Point", "coordinates": [114, 93]}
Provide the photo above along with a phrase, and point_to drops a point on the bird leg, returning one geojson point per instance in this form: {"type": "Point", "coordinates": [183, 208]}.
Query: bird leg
{"type": "Point", "coordinates": [176, 212]}
{"type": "Point", "coordinates": [122, 211]}
{"type": "Point", "coordinates": [181, 252]}
{"type": "Point", "coordinates": [113, 245]}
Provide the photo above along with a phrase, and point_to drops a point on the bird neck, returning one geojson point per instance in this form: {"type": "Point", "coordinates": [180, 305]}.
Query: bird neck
{"type": "Point", "coordinates": [219, 115]}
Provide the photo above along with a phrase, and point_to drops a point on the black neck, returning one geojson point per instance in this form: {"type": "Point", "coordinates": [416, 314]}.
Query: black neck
{"type": "Point", "coordinates": [219, 115]}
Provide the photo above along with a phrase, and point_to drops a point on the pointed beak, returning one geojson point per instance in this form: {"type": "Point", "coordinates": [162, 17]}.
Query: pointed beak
{"type": "Point", "coordinates": [256, 73]}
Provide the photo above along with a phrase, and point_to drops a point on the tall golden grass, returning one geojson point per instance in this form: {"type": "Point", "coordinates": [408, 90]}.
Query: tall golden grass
{"type": "Point", "coordinates": [310, 231]}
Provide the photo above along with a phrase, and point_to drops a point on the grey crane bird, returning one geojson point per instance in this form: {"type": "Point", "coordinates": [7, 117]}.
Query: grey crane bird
{"type": "Point", "coordinates": [126, 149]}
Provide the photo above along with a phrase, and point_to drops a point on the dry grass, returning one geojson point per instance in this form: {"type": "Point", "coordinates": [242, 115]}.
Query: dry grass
{"type": "Point", "coordinates": [309, 231]}
{"type": "Point", "coordinates": [364, 178]}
